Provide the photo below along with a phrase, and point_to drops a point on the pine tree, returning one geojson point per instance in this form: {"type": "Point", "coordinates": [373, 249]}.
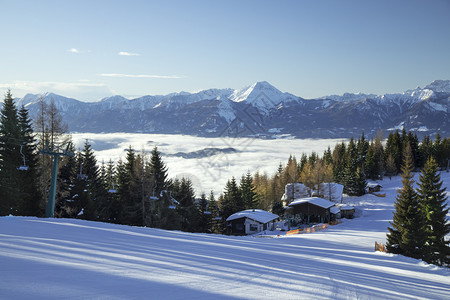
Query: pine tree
{"type": "Point", "coordinates": [184, 193]}
{"type": "Point", "coordinates": [433, 205]}
{"type": "Point", "coordinates": [232, 201]}
{"type": "Point", "coordinates": [95, 188]}
{"type": "Point", "coordinates": [66, 205]}
{"type": "Point", "coordinates": [339, 163]}
{"type": "Point", "coordinates": [110, 212]}
{"type": "Point", "coordinates": [351, 174]}
{"type": "Point", "coordinates": [28, 184]}
{"type": "Point", "coordinates": [248, 194]}
{"type": "Point", "coordinates": [215, 215]}
{"type": "Point", "coordinates": [204, 215]}
{"type": "Point", "coordinates": [130, 202]}
{"type": "Point", "coordinates": [10, 158]}
{"type": "Point", "coordinates": [408, 234]}
{"type": "Point", "coordinates": [371, 163]}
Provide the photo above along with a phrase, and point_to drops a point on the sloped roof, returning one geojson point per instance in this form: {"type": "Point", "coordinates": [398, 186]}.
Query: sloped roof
{"type": "Point", "coordinates": [334, 210]}
{"type": "Point", "coordinates": [258, 215]}
{"type": "Point", "coordinates": [313, 200]}
{"type": "Point", "coordinates": [347, 207]}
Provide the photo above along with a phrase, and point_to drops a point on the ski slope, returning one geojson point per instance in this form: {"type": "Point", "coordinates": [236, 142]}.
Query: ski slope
{"type": "Point", "coordinates": [76, 259]}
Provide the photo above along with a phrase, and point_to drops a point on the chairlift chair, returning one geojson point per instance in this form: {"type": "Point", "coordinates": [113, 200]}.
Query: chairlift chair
{"type": "Point", "coordinates": [112, 190]}
{"type": "Point", "coordinates": [24, 167]}
{"type": "Point", "coordinates": [81, 176]}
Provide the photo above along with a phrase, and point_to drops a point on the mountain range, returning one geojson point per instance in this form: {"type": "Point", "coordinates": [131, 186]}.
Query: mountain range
{"type": "Point", "coordinates": [258, 110]}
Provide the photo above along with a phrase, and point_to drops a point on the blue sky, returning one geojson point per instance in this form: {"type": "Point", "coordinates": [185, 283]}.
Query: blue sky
{"type": "Point", "coordinates": [93, 49]}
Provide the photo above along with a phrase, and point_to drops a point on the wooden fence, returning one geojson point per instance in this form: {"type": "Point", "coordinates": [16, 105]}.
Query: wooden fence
{"type": "Point", "coordinates": [313, 228]}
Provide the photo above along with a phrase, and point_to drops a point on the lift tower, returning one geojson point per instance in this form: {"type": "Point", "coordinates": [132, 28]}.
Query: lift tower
{"type": "Point", "coordinates": [56, 153]}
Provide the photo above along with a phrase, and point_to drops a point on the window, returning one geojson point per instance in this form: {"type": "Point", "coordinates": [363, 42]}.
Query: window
{"type": "Point", "coordinates": [253, 227]}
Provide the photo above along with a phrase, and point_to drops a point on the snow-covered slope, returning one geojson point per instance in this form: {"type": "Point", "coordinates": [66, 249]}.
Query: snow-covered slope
{"type": "Point", "coordinates": [75, 259]}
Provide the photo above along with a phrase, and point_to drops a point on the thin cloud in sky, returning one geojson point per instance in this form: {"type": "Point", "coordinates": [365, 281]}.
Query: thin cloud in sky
{"type": "Point", "coordinates": [78, 51]}
{"type": "Point", "coordinates": [140, 76]}
{"type": "Point", "coordinates": [124, 53]}
{"type": "Point", "coordinates": [87, 91]}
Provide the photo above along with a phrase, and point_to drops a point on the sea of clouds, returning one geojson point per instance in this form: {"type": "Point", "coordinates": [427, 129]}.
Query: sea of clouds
{"type": "Point", "coordinates": [207, 173]}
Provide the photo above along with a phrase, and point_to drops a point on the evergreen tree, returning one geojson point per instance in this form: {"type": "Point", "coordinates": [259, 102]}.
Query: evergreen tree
{"type": "Point", "coordinates": [10, 158]}
{"type": "Point", "coordinates": [28, 185]}
{"type": "Point", "coordinates": [66, 205]}
{"type": "Point", "coordinates": [371, 163]}
{"type": "Point", "coordinates": [394, 147]}
{"type": "Point", "coordinates": [158, 171]}
{"type": "Point", "coordinates": [184, 193]}
{"type": "Point", "coordinates": [426, 150]}
{"type": "Point", "coordinates": [408, 233]}
{"type": "Point", "coordinates": [215, 214]}
{"type": "Point", "coordinates": [110, 212]}
{"type": "Point", "coordinates": [232, 201]}
{"type": "Point", "coordinates": [351, 170]}
{"type": "Point", "coordinates": [433, 205]}
{"type": "Point", "coordinates": [339, 162]}
{"type": "Point", "coordinates": [128, 191]}
{"type": "Point", "coordinates": [96, 189]}
{"type": "Point", "coordinates": [248, 194]}
{"type": "Point", "coordinates": [204, 215]}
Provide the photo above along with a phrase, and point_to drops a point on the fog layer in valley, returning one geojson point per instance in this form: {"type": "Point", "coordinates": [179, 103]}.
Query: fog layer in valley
{"type": "Point", "coordinates": [212, 161]}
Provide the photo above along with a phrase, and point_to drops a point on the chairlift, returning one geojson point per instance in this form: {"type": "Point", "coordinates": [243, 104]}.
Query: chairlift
{"type": "Point", "coordinates": [24, 167]}
{"type": "Point", "coordinates": [112, 190]}
{"type": "Point", "coordinates": [82, 176]}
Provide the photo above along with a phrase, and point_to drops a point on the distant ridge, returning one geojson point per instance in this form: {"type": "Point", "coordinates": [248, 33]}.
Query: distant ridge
{"type": "Point", "coordinates": [259, 110]}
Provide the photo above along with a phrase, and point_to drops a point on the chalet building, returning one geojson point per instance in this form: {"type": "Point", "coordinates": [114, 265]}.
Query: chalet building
{"type": "Point", "coordinates": [250, 221]}
{"type": "Point", "coordinates": [313, 210]}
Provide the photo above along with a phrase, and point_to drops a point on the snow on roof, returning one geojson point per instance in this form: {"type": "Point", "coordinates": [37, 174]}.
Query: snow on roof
{"type": "Point", "coordinates": [258, 215]}
{"type": "Point", "coordinates": [334, 210]}
{"type": "Point", "coordinates": [347, 207]}
{"type": "Point", "coordinates": [374, 185]}
{"type": "Point", "coordinates": [313, 200]}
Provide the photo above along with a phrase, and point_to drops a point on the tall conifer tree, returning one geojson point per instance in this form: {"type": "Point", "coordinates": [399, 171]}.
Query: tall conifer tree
{"type": "Point", "coordinates": [433, 205]}
{"type": "Point", "coordinates": [407, 235]}
{"type": "Point", "coordinates": [10, 158]}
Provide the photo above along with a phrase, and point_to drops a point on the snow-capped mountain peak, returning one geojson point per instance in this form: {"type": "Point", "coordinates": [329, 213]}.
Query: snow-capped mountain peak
{"type": "Point", "coordinates": [442, 86]}
{"type": "Point", "coordinates": [251, 92]}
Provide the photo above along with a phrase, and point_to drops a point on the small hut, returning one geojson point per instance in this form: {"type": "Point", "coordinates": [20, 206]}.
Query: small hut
{"type": "Point", "coordinates": [347, 211]}
{"type": "Point", "coordinates": [373, 187]}
{"type": "Point", "coordinates": [250, 221]}
{"type": "Point", "coordinates": [312, 209]}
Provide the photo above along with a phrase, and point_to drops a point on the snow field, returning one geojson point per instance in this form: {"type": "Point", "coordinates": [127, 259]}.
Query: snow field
{"type": "Point", "coordinates": [76, 259]}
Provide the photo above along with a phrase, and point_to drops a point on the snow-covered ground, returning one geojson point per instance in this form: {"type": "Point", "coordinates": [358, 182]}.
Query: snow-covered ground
{"type": "Point", "coordinates": [75, 259]}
